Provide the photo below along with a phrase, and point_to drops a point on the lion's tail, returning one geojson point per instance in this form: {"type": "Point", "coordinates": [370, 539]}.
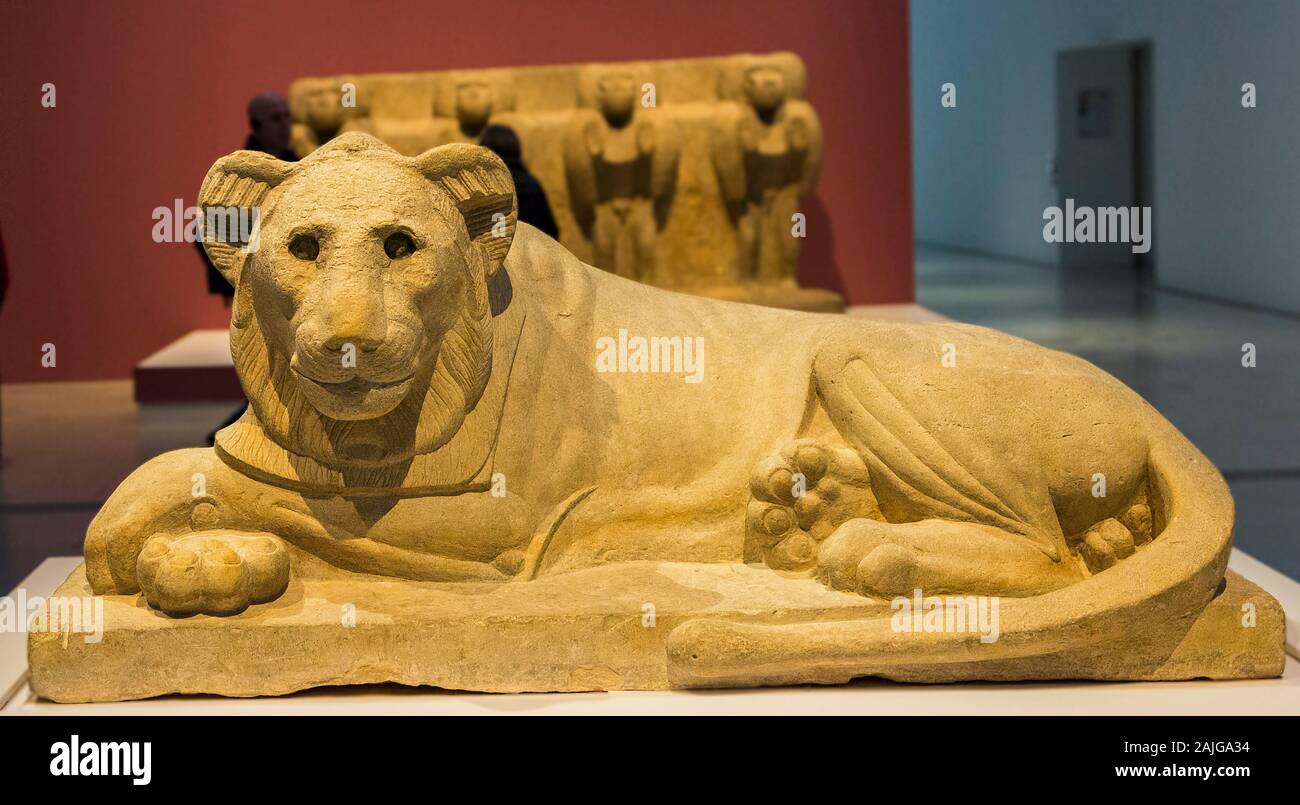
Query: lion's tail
{"type": "Point", "coordinates": [1085, 630]}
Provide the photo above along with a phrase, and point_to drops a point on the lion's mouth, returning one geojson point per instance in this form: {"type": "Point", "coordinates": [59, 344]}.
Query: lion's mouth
{"type": "Point", "coordinates": [358, 398]}
{"type": "Point", "coordinates": [357, 385]}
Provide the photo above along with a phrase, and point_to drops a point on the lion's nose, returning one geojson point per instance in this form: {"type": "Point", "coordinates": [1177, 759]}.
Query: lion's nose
{"type": "Point", "coordinates": [351, 322]}
{"type": "Point", "coordinates": [349, 309]}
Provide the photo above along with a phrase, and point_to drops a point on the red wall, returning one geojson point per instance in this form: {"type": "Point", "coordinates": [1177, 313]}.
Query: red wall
{"type": "Point", "coordinates": [149, 94]}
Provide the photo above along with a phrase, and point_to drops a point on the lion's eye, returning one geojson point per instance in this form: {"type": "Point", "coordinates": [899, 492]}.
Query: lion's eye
{"type": "Point", "coordinates": [304, 247]}
{"type": "Point", "coordinates": [398, 245]}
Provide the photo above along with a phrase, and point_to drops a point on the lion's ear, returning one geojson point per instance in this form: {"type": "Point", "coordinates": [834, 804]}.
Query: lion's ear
{"type": "Point", "coordinates": [231, 198]}
{"type": "Point", "coordinates": [480, 186]}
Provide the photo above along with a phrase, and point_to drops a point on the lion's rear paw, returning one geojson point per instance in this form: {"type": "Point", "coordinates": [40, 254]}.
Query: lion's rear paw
{"type": "Point", "coordinates": [939, 557]}
{"type": "Point", "coordinates": [212, 572]}
{"type": "Point", "coordinates": [801, 495]}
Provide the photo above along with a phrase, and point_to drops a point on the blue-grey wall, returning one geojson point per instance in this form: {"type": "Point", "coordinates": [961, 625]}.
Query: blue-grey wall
{"type": "Point", "coordinates": [1226, 198]}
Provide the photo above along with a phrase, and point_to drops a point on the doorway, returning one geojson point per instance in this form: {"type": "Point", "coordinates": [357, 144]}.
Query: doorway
{"type": "Point", "coordinates": [1103, 146]}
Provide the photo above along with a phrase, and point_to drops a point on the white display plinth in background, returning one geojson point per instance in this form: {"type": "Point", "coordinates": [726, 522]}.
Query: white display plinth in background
{"type": "Point", "coordinates": [867, 697]}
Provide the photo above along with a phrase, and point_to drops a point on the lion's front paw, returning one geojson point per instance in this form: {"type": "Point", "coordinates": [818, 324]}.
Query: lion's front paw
{"type": "Point", "coordinates": [212, 572]}
{"type": "Point", "coordinates": [801, 495]}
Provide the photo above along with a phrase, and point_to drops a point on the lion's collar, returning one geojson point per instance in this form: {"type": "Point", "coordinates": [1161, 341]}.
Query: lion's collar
{"type": "Point", "coordinates": [463, 464]}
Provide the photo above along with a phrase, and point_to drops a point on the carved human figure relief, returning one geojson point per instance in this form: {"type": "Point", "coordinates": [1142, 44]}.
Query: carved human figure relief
{"type": "Point", "coordinates": [323, 108]}
{"type": "Point", "coordinates": [462, 104]}
{"type": "Point", "coordinates": [475, 105]}
{"type": "Point", "coordinates": [465, 103]}
{"type": "Point", "coordinates": [620, 167]}
{"type": "Point", "coordinates": [768, 155]}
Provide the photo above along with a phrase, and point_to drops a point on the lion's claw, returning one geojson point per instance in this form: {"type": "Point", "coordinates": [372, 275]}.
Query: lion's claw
{"type": "Point", "coordinates": [212, 572]}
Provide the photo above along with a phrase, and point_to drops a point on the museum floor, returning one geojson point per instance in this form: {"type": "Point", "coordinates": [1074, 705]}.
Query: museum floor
{"type": "Point", "coordinates": [66, 446]}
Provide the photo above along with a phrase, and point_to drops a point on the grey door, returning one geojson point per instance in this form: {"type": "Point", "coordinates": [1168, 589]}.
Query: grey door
{"type": "Point", "coordinates": [1095, 149]}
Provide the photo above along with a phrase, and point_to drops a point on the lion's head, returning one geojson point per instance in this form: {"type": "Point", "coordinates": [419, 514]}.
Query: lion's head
{"type": "Point", "coordinates": [362, 329]}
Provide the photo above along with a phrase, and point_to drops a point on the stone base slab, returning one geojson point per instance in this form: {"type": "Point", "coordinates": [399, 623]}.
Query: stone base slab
{"type": "Point", "coordinates": [598, 629]}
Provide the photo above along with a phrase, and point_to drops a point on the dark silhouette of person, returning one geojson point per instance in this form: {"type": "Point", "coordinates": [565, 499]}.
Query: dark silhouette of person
{"type": "Point", "coordinates": [270, 126]}
{"type": "Point", "coordinates": [533, 206]}
{"type": "Point", "coordinates": [270, 129]}
{"type": "Point", "coordinates": [4, 284]}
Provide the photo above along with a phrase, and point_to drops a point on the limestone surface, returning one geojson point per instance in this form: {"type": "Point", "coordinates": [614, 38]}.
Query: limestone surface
{"type": "Point", "coordinates": [604, 628]}
{"type": "Point", "coordinates": [472, 460]}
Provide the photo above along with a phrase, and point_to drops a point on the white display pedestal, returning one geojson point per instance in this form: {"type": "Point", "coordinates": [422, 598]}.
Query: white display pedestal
{"type": "Point", "coordinates": [868, 697]}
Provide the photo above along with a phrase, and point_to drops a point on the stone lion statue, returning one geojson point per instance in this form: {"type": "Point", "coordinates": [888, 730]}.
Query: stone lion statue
{"type": "Point", "coordinates": [433, 398]}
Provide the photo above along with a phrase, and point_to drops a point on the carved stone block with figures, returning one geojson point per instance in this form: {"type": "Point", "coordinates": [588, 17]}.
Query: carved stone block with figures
{"type": "Point", "coordinates": [686, 174]}
{"type": "Point", "coordinates": [473, 461]}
